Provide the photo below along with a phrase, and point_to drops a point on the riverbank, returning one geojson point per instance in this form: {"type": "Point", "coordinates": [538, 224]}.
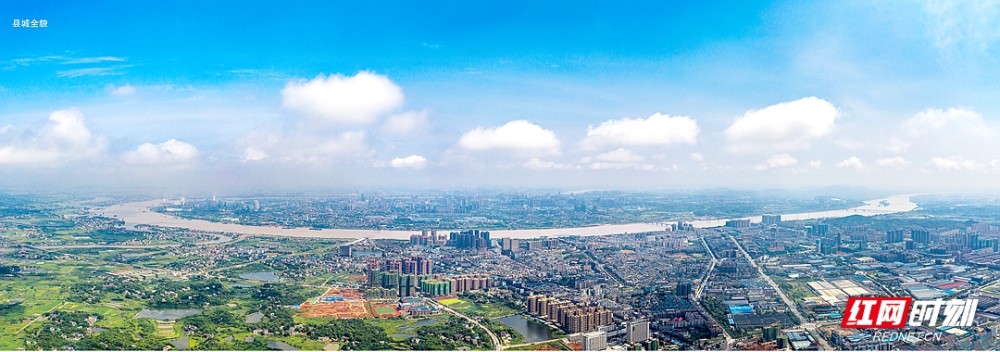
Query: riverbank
{"type": "Point", "coordinates": [139, 213]}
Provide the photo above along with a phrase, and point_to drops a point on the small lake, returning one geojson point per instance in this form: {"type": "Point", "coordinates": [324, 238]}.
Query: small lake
{"type": "Point", "coordinates": [278, 345]}
{"type": "Point", "coordinates": [532, 330]}
{"type": "Point", "coordinates": [167, 314]}
{"type": "Point", "coordinates": [254, 318]}
{"type": "Point", "coordinates": [262, 276]}
{"type": "Point", "coordinates": [423, 322]}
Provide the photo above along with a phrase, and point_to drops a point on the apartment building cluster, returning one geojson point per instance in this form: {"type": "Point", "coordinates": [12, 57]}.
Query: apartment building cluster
{"type": "Point", "coordinates": [570, 316]}
{"type": "Point", "coordinates": [411, 275]}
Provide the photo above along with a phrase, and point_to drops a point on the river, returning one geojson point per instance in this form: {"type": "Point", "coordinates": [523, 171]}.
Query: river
{"type": "Point", "coordinates": [139, 213]}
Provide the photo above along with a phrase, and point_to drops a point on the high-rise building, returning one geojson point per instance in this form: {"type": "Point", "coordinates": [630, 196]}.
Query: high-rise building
{"type": "Point", "coordinates": [509, 246]}
{"type": "Point", "coordinates": [921, 236]}
{"type": "Point", "coordinates": [637, 331]}
{"type": "Point", "coordinates": [769, 220]}
{"type": "Point", "coordinates": [595, 341]}
{"type": "Point", "coordinates": [435, 288]}
{"type": "Point", "coordinates": [683, 288]}
{"type": "Point", "coordinates": [345, 251]}
{"type": "Point", "coordinates": [470, 239]}
{"type": "Point", "coordinates": [818, 229]}
{"type": "Point", "coordinates": [572, 317]}
{"type": "Point", "coordinates": [770, 333]}
{"type": "Point", "coordinates": [894, 236]}
{"type": "Point", "coordinates": [738, 223]}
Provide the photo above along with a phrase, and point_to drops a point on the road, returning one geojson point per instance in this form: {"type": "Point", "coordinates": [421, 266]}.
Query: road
{"type": "Point", "coordinates": [708, 273]}
{"type": "Point", "coordinates": [496, 340]}
{"type": "Point", "coordinates": [808, 326]}
{"type": "Point", "coordinates": [701, 288]}
{"type": "Point", "coordinates": [39, 317]}
{"type": "Point", "coordinates": [530, 343]}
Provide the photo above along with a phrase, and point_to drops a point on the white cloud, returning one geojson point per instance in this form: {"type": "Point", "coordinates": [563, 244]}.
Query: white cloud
{"type": "Point", "coordinates": [539, 164]}
{"type": "Point", "coordinates": [254, 154]}
{"type": "Point", "coordinates": [121, 91]}
{"type": "Point", "coordinates": [893, 162]}
{"type": "Point", "coordinates": [621, 155]}
{"type": "Point", "coordinates": [697, 157]}
{"type": "Point", "coordinates": [963, 23]}
{"type": "Point", "coordinates": [933, 121]}
{"type": "Point", "coordinates": [169, 152]}
{"type": "Point", "coordinates": [896, 145]}
{"type": "Point", "coordinates": [785, 126]}
{"type": "Point", "coordinates": [955, 164]}
{"type": "Point", "coordinates": [359, 99]}
{"type": "Point", "coordinates": [412, 162]}
{"type": "Point", "coordinates": [620, 166]}
{"type": "Point", "coordinates": [315, 149]}
{"type": "Point", "coordinates": [776, 161]}
{"type": "Point", "coordinates": [405, 124]}
{"type": "Point", "coordinates": [851, 163]}
{"type": "Point", "coordinates": [657, 129]}
{"type": "Point", "coordinates": [65, 138]}
{"type": "Point", "coordinates": [518, 135]}
{"type": "Point", "coordinates": [815, 164]}
{"type": "Point", "coordinates": [351, 143]}
{"type": "Point", "coordinates": [92, 60]}
{"type": "Point", "coordinates": [92, 71]}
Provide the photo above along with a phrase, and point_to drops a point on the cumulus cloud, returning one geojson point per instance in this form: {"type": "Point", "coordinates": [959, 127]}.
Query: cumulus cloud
{"type": "Point", "coordinates": [518, 135]}
{"type": "Point", "coordinates": [121, 91]}
{"type": "Point", "coordinates": [851, 163]}
{"type": "Point", "coordinates": [893, 162]}
{"type": "Point", "coordinates": [776, 161]}
{"type": "Point", "coordinates": [404, 124]}
{"type": "Point", "coordinates": [359, 99]}
{"type": "Point", "coordinates": [785, 126]}
{"type": "Point", "coordinates": [412, 162]}
{"type": "Point", "coordinates": [254, 154]}
{"type": "Point", "coordinates": [65, 138]}
{"type": "Point", "coordinates": [657, 129]}
{"type": "Point", "coordinates": [539, 164]}
{"type": "Point", "coordinates": [621, 155]}
{"type": "Point", "coordinates": [955, 164]}
{"type": "Point", "coordinates": [169, 152]}
{"type": "Point", "coordinates": [933, 121]}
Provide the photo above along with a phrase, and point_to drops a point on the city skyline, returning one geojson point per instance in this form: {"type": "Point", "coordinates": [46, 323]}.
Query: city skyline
{"type": "Point", "coordinates": [897, 96]}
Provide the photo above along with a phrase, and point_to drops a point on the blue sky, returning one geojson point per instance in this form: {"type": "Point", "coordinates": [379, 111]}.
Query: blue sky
{"type": "Point", "coordinates": [270, 95]}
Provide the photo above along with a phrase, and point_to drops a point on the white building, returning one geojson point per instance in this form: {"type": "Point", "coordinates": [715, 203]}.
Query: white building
{"type": "Point", "coordinates": [595, 341]}
{"type": "Point", "coordinates": [637, 331]}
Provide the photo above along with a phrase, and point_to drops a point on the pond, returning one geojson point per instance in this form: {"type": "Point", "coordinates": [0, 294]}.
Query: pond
{"type": "Point", "coordinates": [278, 345]}
{"type": "Point", "coordinates": [167, 314]}
{"type": "Point", "coordinates": [532, 329]}
{"type": "Point", "coordinates": [254, 318]}
{"type": "Point", "coordinates": [423, 322]}
{"type": "Point", "coordinates": [262, 276]}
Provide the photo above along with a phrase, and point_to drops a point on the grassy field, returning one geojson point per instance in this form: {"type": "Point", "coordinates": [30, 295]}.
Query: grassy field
{"type": "Point", "coordinates": [486, 310]}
